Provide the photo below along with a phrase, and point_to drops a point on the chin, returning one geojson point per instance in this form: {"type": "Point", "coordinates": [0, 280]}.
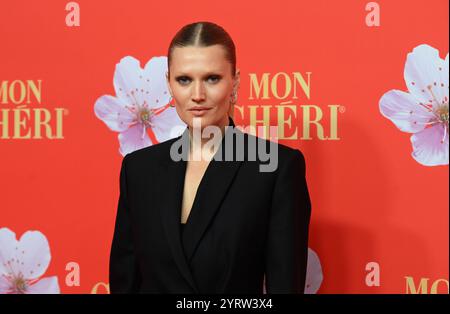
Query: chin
{"type": "Point", "coordinates": [205, 121]}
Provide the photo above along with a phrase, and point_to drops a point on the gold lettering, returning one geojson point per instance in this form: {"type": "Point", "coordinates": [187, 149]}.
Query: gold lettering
{"type": "Point", "coordinates": [4, 92]}
{"type": "Point", "coordinates": [265, 120]}
{"type": "Point", "coordinates": [282, 121]}
{"type": "Point", "coordinates": [38, 122]}
{"type": "Point", "coordinates": [333, 122]}
{"type": "Point", "coordinates": [16, 92]}
{"type": "Point", "coordinates": [28, 123]}
{"type": "Point", "coordinates": [411, 288]}
{"type": "Point", "coordinates": [12, 93]}
{"type": "Point", "coordinates": [263, 84]}
{"type": "Point", "coordinates": [31, 86]}
{"type": "Point", "coordinates": [100, 284]}
{"type": "Point", "coordinates": [4, 123]}
{"type": "Point", "coordinates": [274, 85]}
{"type": "Point", "coordinates": [19, 122]}
{"type": "Point", "coordinates": [307, 122]}
{"type": "Point", "coordinates": [59, 123]}
{"type": "Point", "coordinates": [434, 286]}
{"type": "Point", "coordinates": [306, 87]}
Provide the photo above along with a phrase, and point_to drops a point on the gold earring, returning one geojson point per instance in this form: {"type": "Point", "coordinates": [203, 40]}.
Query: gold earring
{"type": "Point", "coordinates": [233, 98]}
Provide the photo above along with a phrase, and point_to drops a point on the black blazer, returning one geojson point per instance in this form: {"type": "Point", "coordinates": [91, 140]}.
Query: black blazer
{"type": "Point", "coordinates": [244, 224]}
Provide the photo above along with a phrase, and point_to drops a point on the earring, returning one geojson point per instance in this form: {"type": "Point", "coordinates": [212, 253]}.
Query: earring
{"type": "Point", "coordinates": [233, 98]}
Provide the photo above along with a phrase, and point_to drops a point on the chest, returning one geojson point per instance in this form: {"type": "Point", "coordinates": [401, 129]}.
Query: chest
{"type": "Point", "coordinates": [195, 171]}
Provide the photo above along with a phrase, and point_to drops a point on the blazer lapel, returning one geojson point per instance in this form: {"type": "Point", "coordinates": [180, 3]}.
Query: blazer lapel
{"type": "Point", "coordinates": [210, 194]}
{"type": "Point", "coordinates": [172, 175]}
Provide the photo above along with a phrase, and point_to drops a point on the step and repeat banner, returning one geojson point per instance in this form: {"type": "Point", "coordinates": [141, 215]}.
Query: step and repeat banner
{"type": "Point", "coordinates": [360, 87]}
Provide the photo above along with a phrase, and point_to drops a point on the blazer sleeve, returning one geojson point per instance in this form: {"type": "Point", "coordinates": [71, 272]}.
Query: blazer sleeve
{"type": "Point", "coordinates": [123, 268]}
{"type": "Point", "coordinates": [287, 239]}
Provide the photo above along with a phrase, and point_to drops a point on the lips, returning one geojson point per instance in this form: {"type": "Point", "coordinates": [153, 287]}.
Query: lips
{"type": "Point", "coordinates": [199, 110]}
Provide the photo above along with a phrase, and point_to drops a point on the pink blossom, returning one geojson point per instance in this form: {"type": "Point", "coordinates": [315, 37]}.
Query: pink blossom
{"type": "Point", "coordinates": [24, 262]}
{"type": "Point", "coordinates": [314, 276]}
{"type": "Point", "coordinates": [141, 103]}
{"type": "Point", "coordinates": [423, 111]}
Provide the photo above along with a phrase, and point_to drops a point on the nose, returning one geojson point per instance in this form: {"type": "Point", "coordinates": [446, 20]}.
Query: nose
{"type": "Point", "coordinates": [198, 93]}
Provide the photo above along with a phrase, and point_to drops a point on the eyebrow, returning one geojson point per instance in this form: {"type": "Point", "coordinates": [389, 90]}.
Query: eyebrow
{"type": "Point", "coordinates": [218, 73]}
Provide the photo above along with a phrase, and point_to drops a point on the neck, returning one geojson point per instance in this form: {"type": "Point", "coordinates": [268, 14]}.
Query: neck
{"type": "Point", "coordinates": [197, 142]}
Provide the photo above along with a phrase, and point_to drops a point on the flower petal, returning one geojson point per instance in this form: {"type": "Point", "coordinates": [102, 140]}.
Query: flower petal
{"type": "Point", "coordinates": [8, 244]}
{"type": "Point", "coordinates": [132, 139]}
{"type": "Point", "coordinates": [404, 111]}
{"type": "Point", "coordinates": [112, 112]}
{"type": "Point", "coordinates": [445, 79]}
{"type": "Point", "coordinates": [47, 285]}
{"type": "Point", "coordinates": [429, 149]}
{"type": "Point", "coordinates": [445, 75]}
{"type": "Point", "coordinates": [33, 254]}
{"type": "Point", "coordinates": [155, 82]}
{"type": "Point", "coordinates": [128, 80]}
{"type": "Point", "coordinates": [314, 276]}
{"type": "Point", "coordinates": [423, 69]}
{"type": "Point", "coordinates": [167, 125]}
{"type": "Point", "coordinates": [4, 285]}
{"type": "Point", "coordinates": [442, 86]}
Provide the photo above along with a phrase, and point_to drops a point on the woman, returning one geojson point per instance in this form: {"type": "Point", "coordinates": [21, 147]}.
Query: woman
{"type": "Point", "coordinates": [209, 225]}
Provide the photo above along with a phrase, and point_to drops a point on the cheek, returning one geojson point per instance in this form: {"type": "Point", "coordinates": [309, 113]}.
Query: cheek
{"type": "Point", "coordinates": [219, 95]}
{"type": "Point", "coordinates": [181, 97]}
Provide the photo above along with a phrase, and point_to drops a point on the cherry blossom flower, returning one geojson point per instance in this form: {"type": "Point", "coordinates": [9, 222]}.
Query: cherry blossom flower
{"type": "Point", "coordinates": [23, 262]}
{"type": "Point", "coordinates": [314, 276]}
{"type": "Point", "coordinates": [423, 111]}
{"type": "Point", "coordinates": [141, 103]}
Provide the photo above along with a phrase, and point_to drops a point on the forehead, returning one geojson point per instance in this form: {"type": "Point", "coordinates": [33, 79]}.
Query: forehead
{"type": "Point", "coordinates": [192, 59]}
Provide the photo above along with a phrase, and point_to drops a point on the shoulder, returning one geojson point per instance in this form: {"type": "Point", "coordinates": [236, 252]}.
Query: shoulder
{"type": "Point", "coordinates": [151, 155]}
{"type": "Point", "coordinates": [285, 153]}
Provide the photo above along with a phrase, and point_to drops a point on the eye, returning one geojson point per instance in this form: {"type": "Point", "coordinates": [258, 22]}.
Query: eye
{"type": "Point", "coordinates": [214, 78]}
{"type": "Point", "coordinates": [183, 80]}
